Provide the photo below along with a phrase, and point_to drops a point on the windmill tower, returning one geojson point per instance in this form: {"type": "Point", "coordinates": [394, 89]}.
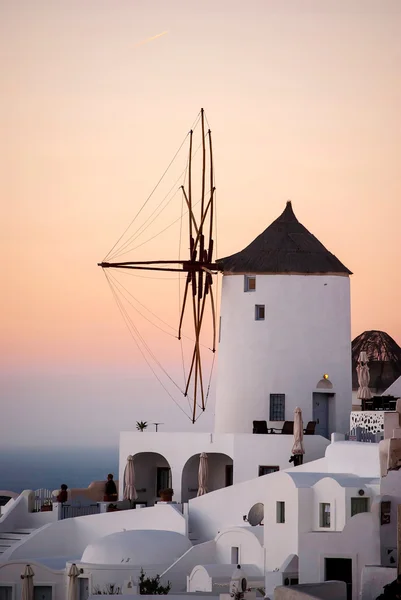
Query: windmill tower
{"type": "Point", "coordinates": [285, 338]}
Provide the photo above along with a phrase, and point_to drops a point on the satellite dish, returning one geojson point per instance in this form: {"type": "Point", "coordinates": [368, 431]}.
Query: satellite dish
{"type": "Point", "coordinates": [256, 514]}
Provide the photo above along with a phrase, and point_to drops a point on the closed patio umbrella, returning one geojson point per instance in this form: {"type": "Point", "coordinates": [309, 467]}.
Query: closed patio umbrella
{"type": "Point", "coordinates": [362, 370]}
{"type": "Point", "coordinates": [202, 474]}
{"type": "Point", "coordinates": [298, 449]}
{"type": "Point", "coordinates": [129, 480]}
{"type": "Point", "coordinates": [27, 583]}
{"type": "Point", "coordinates": [73, 582]}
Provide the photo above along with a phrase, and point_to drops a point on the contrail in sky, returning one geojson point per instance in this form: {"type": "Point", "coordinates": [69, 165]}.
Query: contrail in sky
{"type": "Point", "coordinates": [151, 39]}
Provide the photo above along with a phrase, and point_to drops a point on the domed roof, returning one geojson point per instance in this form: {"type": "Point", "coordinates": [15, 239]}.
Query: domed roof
{"type": "Point", "coordinates": [140, 547]}
{"type": "Point", "coordinates": [286, 246]}
{"type": "Point", "coordinates": [384, 359]}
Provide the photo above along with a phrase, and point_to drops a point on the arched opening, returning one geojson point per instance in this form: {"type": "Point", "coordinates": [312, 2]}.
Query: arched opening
{"type": "Point", "coordinates": [152, 474]}
{"type": "Point", "coordinates": [220, 469]}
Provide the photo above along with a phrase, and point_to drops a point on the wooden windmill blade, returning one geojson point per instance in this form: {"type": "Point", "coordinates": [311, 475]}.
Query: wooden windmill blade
{"type": "Point", "coordinates": [199, 267]}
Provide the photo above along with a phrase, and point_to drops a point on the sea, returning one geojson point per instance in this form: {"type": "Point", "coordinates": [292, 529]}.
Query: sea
{"type": "Point", "coordinates": [35, 468]}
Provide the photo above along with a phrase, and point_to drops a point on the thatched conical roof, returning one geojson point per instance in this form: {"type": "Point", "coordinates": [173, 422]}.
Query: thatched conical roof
{"type": "Point", "coordinates": [286, 246]}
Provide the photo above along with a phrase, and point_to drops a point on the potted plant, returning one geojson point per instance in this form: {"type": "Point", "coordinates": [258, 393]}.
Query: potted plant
{"type": "Point", "coordinates": [141, 425]}
{"type": "Point", "coordinates": [46, 506]}
{"type": "Point", "coordinates": [166, 495]}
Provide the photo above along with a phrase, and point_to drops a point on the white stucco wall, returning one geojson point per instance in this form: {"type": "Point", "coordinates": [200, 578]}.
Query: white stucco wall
{"type": "Point", "coordinates": [248, 542]}
{"type": "Point", "coordinates": [212, 513]}
{"type": "Point", "coordinates": [306, 333]}
{"type": "Point", "coordinates": [178, 572]}
{"type": "Point", "coordinates": [359, 541]}
{"type": "Point", "coordinates": [374, 578]}
{"type": "Point", "coordinates": [353, 457]}
{"type": "Point", "coordinates": [247, 451]}
{"type": "Point", "coordinates": [71, 536]}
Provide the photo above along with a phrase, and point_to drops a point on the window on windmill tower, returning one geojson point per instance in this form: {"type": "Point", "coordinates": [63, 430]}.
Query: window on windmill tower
{"type": "Point", "coordinates": [259, 312]}
{"type": "Point", "coordinates": [249, 283]}
{"type": "Point", "coordinates": [277, 407]}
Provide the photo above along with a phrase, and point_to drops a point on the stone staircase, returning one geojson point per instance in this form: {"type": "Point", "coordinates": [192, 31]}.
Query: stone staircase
{"type": "Point", "coordinates": [9, 539]}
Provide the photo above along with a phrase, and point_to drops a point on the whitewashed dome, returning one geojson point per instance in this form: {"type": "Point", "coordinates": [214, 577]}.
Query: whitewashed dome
{"type": "Point", "coordinates": [140, 547]}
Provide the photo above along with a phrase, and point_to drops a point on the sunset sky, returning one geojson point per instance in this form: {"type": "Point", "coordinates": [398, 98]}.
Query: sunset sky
{"type": "Point", "coordinates": [303, 98]}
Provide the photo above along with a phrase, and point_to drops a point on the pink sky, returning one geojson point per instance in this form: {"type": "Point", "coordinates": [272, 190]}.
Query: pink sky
{"type": "Point", "coordinates": [303, 104]}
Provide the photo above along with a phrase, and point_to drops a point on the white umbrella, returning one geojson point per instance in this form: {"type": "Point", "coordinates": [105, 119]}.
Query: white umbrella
{"type": "Point", "coordinates": [73, 582]}
{"type": "Point", "coordinates": [129, 480]}
{"type": "Point", "coordinates": [202, 474]}
{"type": "Point", "coordinates": [27, 583]}
{"type": "Point", "coordinates": [362, 370]}
{"type": "Point", "coordinates": [298, 447]}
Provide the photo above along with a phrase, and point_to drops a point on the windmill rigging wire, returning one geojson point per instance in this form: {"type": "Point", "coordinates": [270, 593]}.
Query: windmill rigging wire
{"type": "Point", "coordinates": [127, 320]}
{"type": "Point", "coordinates": [116, 282]}
{"type": "Point", "coordinates": [115, 285]}
{"type": "Point", "coordinates": [141, 351]}
{"type": "Point", "coordinates": [114, 271]}
{"type": "Point", "coordinates": [194, 125]}
{"type": "Point", "coordinates": [148, 198]}
{"type": "Point", "coordinates": [123, 249]}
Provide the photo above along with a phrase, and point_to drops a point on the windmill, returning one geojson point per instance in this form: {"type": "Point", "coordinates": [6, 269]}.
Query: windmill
{"type": "Point", "coordinates": [199, 266]}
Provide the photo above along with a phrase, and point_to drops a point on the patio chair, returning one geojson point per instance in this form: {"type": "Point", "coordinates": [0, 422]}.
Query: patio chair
{"type": "Point", "coordinates": [260, 427]}
{"type": "Point", "coordinates": [310, 428]}
{"type": "Point", "coordinates": [288, 428]}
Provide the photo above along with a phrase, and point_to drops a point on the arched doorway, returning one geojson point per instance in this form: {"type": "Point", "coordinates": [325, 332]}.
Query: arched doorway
{"type": "Point", "coordinates": [219, 474]}
{"type": "Point", "coordinates": [152, 473]}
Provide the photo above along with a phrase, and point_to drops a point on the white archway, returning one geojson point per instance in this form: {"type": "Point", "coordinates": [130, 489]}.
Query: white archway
{"type": "Point", "coordinates": [219, 474]}
{"type": "Point", "coordinates": [152, 473]}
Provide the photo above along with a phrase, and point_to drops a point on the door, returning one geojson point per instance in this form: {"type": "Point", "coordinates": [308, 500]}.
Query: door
{"type": "Point", "coordinates": [6, 592]}
{"type": "Point", "coordinates": [163, 479]}
{"type": "Point", "coordinates": [321, 414]}
{"type": "Point", "coordinates": [83, 588]}
{"type": "Point", "coordinates": [42, 592]}
{"type": "Point", "coordinates": [229, 475]}
{"type": "Point", "coordinates": [339, 569]}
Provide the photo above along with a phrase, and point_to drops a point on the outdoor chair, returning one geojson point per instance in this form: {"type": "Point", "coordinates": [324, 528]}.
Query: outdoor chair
{"type": "Point", "coordinates": [310, 428]}
{"type": "Point", "coordinates": [288, 428]}
{"type": "Point", "coordinates": [260, 427]}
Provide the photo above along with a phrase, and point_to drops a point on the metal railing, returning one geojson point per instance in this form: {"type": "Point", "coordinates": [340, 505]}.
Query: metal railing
{"type": "Point", "coordinates": [42, 496]}
{"type": "Point", "coordinates": [358, 434]}
{"type": "Point", "coordinates": [69, 511]}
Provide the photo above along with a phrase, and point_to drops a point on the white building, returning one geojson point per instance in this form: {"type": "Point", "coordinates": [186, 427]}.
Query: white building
{"type": "Point", "coordinates": [322, 520]}
{"type": "Point", "coordinates": [285, 342]}
{"type": "Point", "coordinates": [285, 321]}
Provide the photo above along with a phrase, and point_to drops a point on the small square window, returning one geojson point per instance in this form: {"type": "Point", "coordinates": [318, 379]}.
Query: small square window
{"type": "Point", "coordinates": [324, 514]}
{"type": "Point", "coordinates": [280, 512]}
{"type": "Point", "coordinates": [359, 505]}
{"type": "Point", "coordinates": [277, 407]}
{"type": "Point", "coordinates": [265, 470]}
{"type": "Point", "coordinates": [259, 312]}
{"type": "Point", "coordinates": [249, 283]}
